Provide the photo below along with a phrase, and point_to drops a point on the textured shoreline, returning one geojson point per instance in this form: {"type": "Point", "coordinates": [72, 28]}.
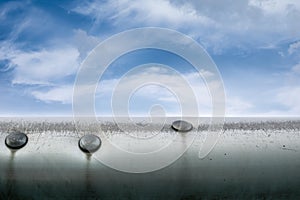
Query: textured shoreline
{"type": "Point", "coordinates": [30, 126]}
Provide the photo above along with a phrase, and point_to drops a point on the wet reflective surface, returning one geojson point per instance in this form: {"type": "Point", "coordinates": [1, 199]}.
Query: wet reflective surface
{"type": "Point", "coordinates": [182, 126]}
{"type": "Point", "coordinates": [16, 140]}
{"type": "Point", "coordinates": [89, 143]}
{"type": "Point", "coordinates": [247, 163]}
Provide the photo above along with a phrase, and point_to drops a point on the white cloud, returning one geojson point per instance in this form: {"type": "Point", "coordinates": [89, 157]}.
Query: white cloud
{"type": "Point", "coordinates": [296, 68]}
{"type": "Point", "coordinates": [84, 42]}
{"type": "Point", "coordinates": [54, 66]}
{"type": "Point", "coordinates": [275, 6]}
{"type": "Point", "coordinates": [235, 106]}
{"type": "Point", "coordinates": [9, 7]}
{"type": "Point", "coordinates": [158, 90]}
{"type": "Point", "coordinates": [50, 65]}
{"type": "Point", "coordinates": [289, 96]}
{"type": "Point", "coordinates": [159, 94]}
{"type": "Point", "coordinates": [189, 89]}
{"type": "Point", "coordinates": [148, 12]}
{"type": "Point", "coordinates": [294, 47]}
{"type": "Point", "coordinates": [45, 66]}
{"type": "Point", "coordinates": [216, 24]}
{"type": "Point", "coordinates": [170, 99]}
{"type": "Point", "coordinates": [238, 107]}
{"type": "Point", "coordinates": [62, 94]}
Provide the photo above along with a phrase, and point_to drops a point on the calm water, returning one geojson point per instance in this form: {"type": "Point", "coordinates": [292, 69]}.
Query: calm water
{"type": "Point", "coordinates": [246, 163]}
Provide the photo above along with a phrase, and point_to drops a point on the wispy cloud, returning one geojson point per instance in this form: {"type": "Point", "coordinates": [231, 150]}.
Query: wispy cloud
{"type": "Point", "coordinates": [146, 12]}
{"type": "Point", "coordinates": [207, 21]}
{"type": "Point", "coordinates": [143, 94]}
{"type": "Point", "coordinates": [45, 66]}
{"type": "Point", "coordinates": [41, 49]}
{"type": "Point", "coordinates": [60, 94]}
{"type": "Point", "coordinates": [275, 7]}
{"type": "Point", "coordinates": [294, 47]}
{"type": "Point", "coordinates": [53, 67]}
{"type": "Point", "coordinates": [237, 106]}
{"type": "Point", "coordinates": [289, 96]}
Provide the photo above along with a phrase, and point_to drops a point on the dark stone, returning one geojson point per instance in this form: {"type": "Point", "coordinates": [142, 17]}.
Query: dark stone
{"type": "Point", "coordinates": [89, 143]}
{"type": "Point", "coordinates": [182, 126]}
{"type": "Point", "coordinates": [16, 140]}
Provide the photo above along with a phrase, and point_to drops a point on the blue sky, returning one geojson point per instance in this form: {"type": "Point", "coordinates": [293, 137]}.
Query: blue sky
{"type": "Point", "coordinates": [255, 44]}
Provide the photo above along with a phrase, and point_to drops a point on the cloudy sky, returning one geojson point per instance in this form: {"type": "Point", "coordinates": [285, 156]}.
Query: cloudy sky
{"type": "Point", "coordinates": [255, 45]}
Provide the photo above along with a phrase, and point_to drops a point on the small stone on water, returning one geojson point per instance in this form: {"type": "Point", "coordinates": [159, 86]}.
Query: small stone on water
{"type": "Point", "coordinates": [182, 126]}
{"type": "Point", "coordinates": [89, 143]}
{"type": "Point", "coordinates": [16, 140]}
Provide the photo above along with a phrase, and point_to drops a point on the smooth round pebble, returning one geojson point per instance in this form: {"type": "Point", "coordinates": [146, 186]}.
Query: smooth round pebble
{"type": "Point", "coordinates": [182, 126]}
{"type": "Point", "coordinates": [89, 143]}
{"type": "Point", "coordinates": [16, 140]}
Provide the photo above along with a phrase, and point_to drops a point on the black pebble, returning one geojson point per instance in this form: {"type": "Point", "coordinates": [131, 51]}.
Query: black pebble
{"type": "Point", "coordinates": [89, 143]}
{"type": "Point", "coordinates": [16, 140]}
{"type": "Point", "coordinates": [182, 126]}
